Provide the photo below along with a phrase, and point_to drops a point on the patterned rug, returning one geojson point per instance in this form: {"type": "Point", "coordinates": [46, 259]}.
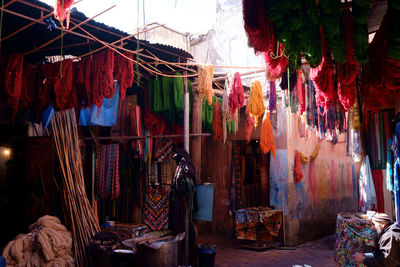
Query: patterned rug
{"type": "Point", "coordinates": [156, 208]}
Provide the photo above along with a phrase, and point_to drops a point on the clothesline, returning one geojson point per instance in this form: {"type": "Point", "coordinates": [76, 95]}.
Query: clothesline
{"type": "Point", "coordinates": [143, 137]}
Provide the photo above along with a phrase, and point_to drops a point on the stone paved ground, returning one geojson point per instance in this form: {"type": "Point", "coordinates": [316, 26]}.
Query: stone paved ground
{"type": "Point", "coordinates": [318, 253]}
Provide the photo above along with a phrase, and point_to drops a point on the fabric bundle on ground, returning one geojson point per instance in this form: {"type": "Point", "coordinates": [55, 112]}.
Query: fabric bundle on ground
{"type": "Point", "coordinates": [156, 208]}
{"type": "Point", "coordinates": [236, 94]}
{"type": "Point", "coordinates": [347, 72]}
{"type": "Point", "coordinates": [123, 72]}
{"type": "Point", "coordinates": [267, 142]}
{"type": "Point", "coordinates": [206, 75]}
{"type": "Point", "coordinates": [107, 172]}
{"type": "Point", "coordinates": [255, 104]}
{"type": "Point", "coordinates": [48, 244]}
{"type": "Point", "coordinates": [217, 122]}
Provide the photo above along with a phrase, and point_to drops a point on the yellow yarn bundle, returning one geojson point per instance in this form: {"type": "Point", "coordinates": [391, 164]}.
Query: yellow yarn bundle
{"type": "Point", "coordinates": [206, 75]}
{"type": "Point", "coordinates": [255, 105]}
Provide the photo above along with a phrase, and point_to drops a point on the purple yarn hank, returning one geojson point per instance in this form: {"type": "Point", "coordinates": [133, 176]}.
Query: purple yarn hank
{"type": "Point", "coordinates": [272, 96]}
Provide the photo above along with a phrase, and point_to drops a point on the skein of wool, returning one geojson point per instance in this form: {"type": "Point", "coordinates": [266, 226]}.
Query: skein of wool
{"type": "Point", "coordinates": [225, 109]}
{"type": "Point", "coordinates": [255, 105]}
{"type": "Point", "coordinates": [272, 96]}
{"type": "Point", "coordinates": [236, 95]}
{"type": "Point", "coordinates": [12, 78]}
{"type": "Point", "coordinates": [123, 72]}
{"type": "Point", "coordinates": [62, 10]}
{"type": "Point", "coordinates": [206, 74]}
{"type": "Point", "coordinates": [217, 122]}
{"type": "Point", "coordinates": [301, 90]}
{"type": "Point", "coordinates": [297, 171]}
{"type": "Point", "coordinates": [250, 121]}
{"type": "Point", "coordinates": [267, 142]}
{"type": "Point", "coordinates": [322, 77]}
{"type": "Point", "coordinates": [347, 72]}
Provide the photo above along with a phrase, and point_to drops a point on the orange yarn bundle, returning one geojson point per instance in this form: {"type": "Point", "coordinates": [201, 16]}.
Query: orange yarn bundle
{"type": "Point", "coordinates": [255, 105]}
{"type": "Point", "coordinates": [206, 74]}
{"type": "Point", "coordinates": [217, 122]}
{"type": "Point", "coordinates": [297, 171]}
{"type": "Point", "coordinates": [267, 142]}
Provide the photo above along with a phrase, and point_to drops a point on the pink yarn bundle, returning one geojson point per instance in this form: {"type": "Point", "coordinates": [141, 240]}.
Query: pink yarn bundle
{"type": "Point", "coordinates": [236, 96]}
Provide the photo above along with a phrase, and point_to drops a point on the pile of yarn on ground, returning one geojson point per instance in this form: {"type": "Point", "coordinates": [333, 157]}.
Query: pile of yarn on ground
{"type": "Point", "coordinates": [49, 243]}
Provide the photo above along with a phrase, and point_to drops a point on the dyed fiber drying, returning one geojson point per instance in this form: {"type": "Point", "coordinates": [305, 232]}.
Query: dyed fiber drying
{"type": "Point", "coordinates": [154, 123]}
{"type": "Point", "coordinates": [297, 171]}
{"type": "Point", "coordinates": [250, 122]}
{"type": "Point", "coordinates": [236, 95]}
{"type": "Point", "coordinates": [62, 11]}
{"type": "Point", "coordinates": [301, 93]}
{"type": "Point", "coordinates": [267, 142]}
{"type": "Point", "coordinates": [322, 77]}
{"type": "Point", "coordinates": [271, 95]}
{"type": "Point", "coordinates": [11, 79]}
{"type": "Point", "coordinates": [347, 72]}
{"type": "Point", "coordinates": [107, 171]}
{"type": "Point", "coordinates": [255, 104]}
{"type": "Point", "coordinates": [206, 74]}
{"type": "Point", "coordinates": [123, 72]}
{"type": "Point", "coordinates": [48, 244]}
{"type": "Point", "coordinates": [156, 208]}
{"type": "Point", "coordinates": [217, 122]}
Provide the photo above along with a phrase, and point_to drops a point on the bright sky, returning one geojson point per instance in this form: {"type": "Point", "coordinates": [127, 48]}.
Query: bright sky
{"type": "Point", "coordinates": [193, 16]}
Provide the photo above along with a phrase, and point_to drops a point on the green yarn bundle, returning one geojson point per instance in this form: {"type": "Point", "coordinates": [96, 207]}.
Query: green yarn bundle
{"type": "Point", "coordinates": [394, 29]}
{"type": "Point", "coordinates": [296, 26]}
{"type": "Point", "coordinates": [331, 20]}
{"type": "Point", "coordinates": [360, 10]}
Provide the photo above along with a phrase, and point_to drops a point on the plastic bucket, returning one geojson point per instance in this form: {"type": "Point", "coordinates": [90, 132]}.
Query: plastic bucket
{"type": "Point", "coordinates": [206, 257]}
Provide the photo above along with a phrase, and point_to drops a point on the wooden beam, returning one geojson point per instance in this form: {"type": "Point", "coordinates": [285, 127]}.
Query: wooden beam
{"type": "Point", "coordinates": [71, 29]}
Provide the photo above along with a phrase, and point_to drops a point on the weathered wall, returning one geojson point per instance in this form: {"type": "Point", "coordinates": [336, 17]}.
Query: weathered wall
{"type": "Point", "coordinates": [165, 35]}
{"type": "Point", "coordinates": [329, 185]}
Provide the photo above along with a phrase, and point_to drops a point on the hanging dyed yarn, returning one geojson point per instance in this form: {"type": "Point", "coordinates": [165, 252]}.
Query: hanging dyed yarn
{"type": "Point", "coordinates": [360, 12]}
{"type": "Point", "coordinates": [107, 172]}
{"type": "Point", "coordinates": [236, 95]}
{"type": "Point", "coordinates": [322, 78]}
{"type": "Point", "coordinates": [331, 20]}
{"type": "Point", "coordinates": [62, 10]}
{"type": "Point", "coordinates": [154, 123]}
{"type": "Point", "coordinates": [168, 98]}
{"type": "Point", "coordinates": [301, 93]}
{"type": "Point", "coordinates": [217, 122]}
{"type": "Point", "coordinates": [394, 26]}
{"type": "Point", "coordinates": [297, 171]}
{"type": "Point", "coordinates": [267, 142]}
{"type": "Point", "coordinates": [225, 109]}
{"type": "Point", "coordinates": [12, 79]}
{"type": "Point", "coordinates": [206, 75]}
{"type": "Point", "coordinates": [29, 86]}
{"type": "Point", "coordinates": [250, 121]}
{"type": "Point", "coordinates": [272, 96]}
{"type": "Point", "coordinates": [347, 72]}
{"type": "Point", "coordinates": [207, 115]}
{"type": "Point", "coordinates": [123, 72]}
{"type": "Point", "coordinates": [255, 105]}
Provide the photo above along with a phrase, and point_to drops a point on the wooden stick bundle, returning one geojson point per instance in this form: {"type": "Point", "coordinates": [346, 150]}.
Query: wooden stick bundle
{"type": "Point", "coordinates": [76, 204]}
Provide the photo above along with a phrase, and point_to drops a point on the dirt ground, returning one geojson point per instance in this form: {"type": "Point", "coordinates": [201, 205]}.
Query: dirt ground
{"type": "Point", "coordinates": [318, 253]}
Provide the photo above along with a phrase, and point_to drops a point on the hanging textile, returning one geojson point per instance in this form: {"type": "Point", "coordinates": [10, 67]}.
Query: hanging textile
{"type": "Point", "coordinates": [107, 172]}
{"type": "Point", "coordinates": [367, 189]}
{"type": "Point", "coordinates": [206, 75]}
{"type": "Point", "coordinates": [84, 80]}
{"type": "Point", "coordinates": [255, 104]}
{"type": "Point", "coordinates": [396, 150]}
{"type": "Point", "coordinates": [136, 124]}
{"type": "Point", "coordinates": [347, 72]}
{"type": "Point", "coordinates": [389, 166]}
{"type": "Point", "coordinates": [105, 115]}
{"type": "Point", "coordinates": [271, 95]}
{"type": "Point", "coordinates": [217, 122]}
{"type": "Point", "coordinates": [155, 124]}
{"type": "Point", "coordinates": [103, 81]}
{"type": "Point", "coordinates": [156, 208]}
{"type": "Point", "coordinates": [250, 122]}
{"type": "Point", "coordinates": [123, 72]}
{"type": "Point", "coordinates": [237, 172]}
{"type": "Point", "coordinates": [236, 94]}
{"type": "Point", "coordinates": [267, 142]}
{"type": "Point", "coordinates": [168, 98]}
{"type": "Point", "coordinates": [162, 149]}
{"type": "Point", "coordinates": [207, 115]}
{"type": "Point", "coordinates": [297, 171]}
{"type": "Point", "coordinates": [377, 177]}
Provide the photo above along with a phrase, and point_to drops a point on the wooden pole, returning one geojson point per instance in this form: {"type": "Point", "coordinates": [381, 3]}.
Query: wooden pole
{"type": "Point", "coordinates": [186, 114]}
{"type": "Point", "coordinates": [142, 137]}
{"type": "Point", "coordinates": [197, 131]}
{"type": "Point", "coordinates": [58, 37]}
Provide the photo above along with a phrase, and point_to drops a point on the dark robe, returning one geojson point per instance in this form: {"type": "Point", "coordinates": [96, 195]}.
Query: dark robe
{"type": "Point", "coordinates": [387, 253]}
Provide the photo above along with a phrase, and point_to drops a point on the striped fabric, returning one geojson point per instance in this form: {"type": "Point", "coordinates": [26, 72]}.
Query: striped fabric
{"type": "Point", "coordinates": [107, 172]}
